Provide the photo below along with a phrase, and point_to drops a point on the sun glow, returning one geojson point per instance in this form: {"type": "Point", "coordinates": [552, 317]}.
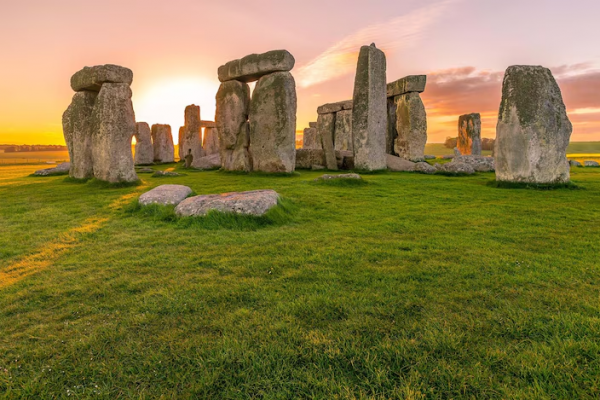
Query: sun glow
{"type": "Point", "coordinates": [164, 102]}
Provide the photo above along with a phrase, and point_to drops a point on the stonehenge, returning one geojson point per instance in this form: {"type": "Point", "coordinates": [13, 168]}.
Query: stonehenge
{"type": "Point", "coordinates": [333, 130]}
{"type": "Point", "coordinates": [144, 151]}
{"type": "Point", "coordinates": [533, 129]}
{"type": "Point", "coordinates": [469, 134]}
{"type": "Point", "coordinates": [162, 141]}
{"type": "Point", "coordinates": [99, 124]}
{"type": "Point", "coordinates": [192, 133]}
{"type": "Point", "coordinates": [310, 138]}
{"type": "Point", "coordinates": [258, 133]}
{"type": "Point", "coordinates": [210, 141]}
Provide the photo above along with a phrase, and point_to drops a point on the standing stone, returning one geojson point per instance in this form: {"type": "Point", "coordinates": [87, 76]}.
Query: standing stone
{"type": "Point", "coordinates": [326, 131]}
{"type": "Point", "coordinates": [192, 133]}
{"type": "Point", "coordinates": [392, 131]}
{"type": "Point", "coordinates": [369, 114]}
{"type": "Point", "coordinates": [273, 123]}
{"type": "Point", "coordinates": [533, 129]}
{"type": "Point", "coordinates": [411, 125]}
{"type": "Point", "coordinates": [144, 152]}
{"type": "Point", "coordinates": [77, 129]}
{"type": "Point", "coordinates": [311, 140]}
{"type": "Point", "coordinates": [469, 134]}
{"type": "Point", "coordinates": [113, 128]}
{"type": "Point", "coordinates": [231, 117]}
{"type": "Point", "coordinates": [343, 131]}
{"type": "Point", "coordinates": [210, 141]}
{"type": "Point", "coordinates": [162, 139]}
{"type": "Point", "coordinates": [181, 143]}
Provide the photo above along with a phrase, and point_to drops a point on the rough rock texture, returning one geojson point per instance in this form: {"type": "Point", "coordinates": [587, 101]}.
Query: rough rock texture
{"type": "Point", "coordinates": [165, 195]}
{"type": "Point", "coordinates": [458, 168]}
{"type": "Point", "coordinates": [408, 84]}
{"type": "Point", "coordinates": [181, 143]}
{"type": "Point", "coordinates": [210, 141]}
{"type": "Point", "coordinates": [392, 131]}
{"type": "Point", "coordinates": [411, 125]}
{"type": "Point", "coordinates": [343, 131]}
{"type": "Point", "coordinates": [255, 66]}
{"type": "Point", "coordinates": [92, 78]}
{"type": "Point", "coordinates": [345, 160]}
{"type": "Point", "coordinates": [328, 177]}
{"type": "Point", "coordinates": [326, 131]}
{"type": "Point", "coordinates": [311, 139]}
{"type": "Point", "coordinates": [335, 107]}
{"type": "Point", "coordinates": [144, 151]}
{"type": "Point", "coordinates": [469, 134]}
{"type": "Point", "coordinates": [369, 112]}
{"type": "Point", "coordinates": [113, 122]}
{"type": "Point", "coordinates": [312, 124]}
{"type": "Point", "coordinates": [448, 157]}
{"type": "Point", "coordinates": [479, 163]}
{"type": "Point", "coordinates": [308, 158]}
{"type": "Point", "coordinates": [591, 164]}
{"type": "Point", "coordinates": [60, 169]}
{"type": "Point", "coordinates": [424, 168]}
{"type": "Point", "coordinates": [208, 124]}
{"type": "Point", "coordinates": [457, 152]}
{"type": "Point", "coordinates": [162, 141]}
{"type": "Point", "coordinates": [231, 117]}
{"type": "Point", "coordinates": [398, 164]}
{"type": "Point", "coordinates": [192, 133]}
{"type": "Point", "coordinates": [533, 129]}
{"type": "Point", "coordinates": [77, 129]}
{"type": "Point", "coordinates": [273, 123]}
{"type": "Point", "coordinates": [162, 174]}
{"type": "Point", "coordinates": [575, 163]}
{"type": "Point", "coordinates": [256, 202]}
{"type": "Point", "coordinates": [212, 161]}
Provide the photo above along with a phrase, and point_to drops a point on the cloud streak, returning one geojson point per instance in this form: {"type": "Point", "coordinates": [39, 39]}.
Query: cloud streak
{"type": "Point", "coordinates": [399, 33]}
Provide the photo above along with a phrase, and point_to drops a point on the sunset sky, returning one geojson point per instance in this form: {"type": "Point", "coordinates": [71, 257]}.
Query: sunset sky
{"type": "Point", "coordinates": [175, 47]}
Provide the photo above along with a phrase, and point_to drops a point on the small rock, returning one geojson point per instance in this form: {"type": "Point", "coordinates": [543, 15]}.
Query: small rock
{"type": "Point", "coordinates": [256, 202]}
{"type": "Point", "coordinates": [160, 174]}
{"type": "Point", "coordinates": [591, 164]}
{"type": "Point", "coordinates": [398, 164]}
{"type": "Point", "coordinates": [424, 168]}
{"type": "Point", "coordinates": [165, 195]}
{"type": "Point", "coordinates": [479, 163]}
{"type": "Point", "coordinates": [145, 170]}
{"type": "Point", "coordinates": [575, 163]}
{"type": "Point", "coordinates": [458, 168]}
{"type": "Point", "coordinates": [60, 169]}
{"type": "Point", "coordinates": [327, 177]}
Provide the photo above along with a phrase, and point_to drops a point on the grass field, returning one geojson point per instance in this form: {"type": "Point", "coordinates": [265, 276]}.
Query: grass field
{"type": "Point", "coordinates": [409, 287]}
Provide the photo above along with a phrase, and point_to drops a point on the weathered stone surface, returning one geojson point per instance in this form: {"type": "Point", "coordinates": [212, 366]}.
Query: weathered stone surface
{"type": "Point", "coordinates": [77, 129]}
{"type": "Point", "coordinates": [533, 129]}
{"type": "Point", "coordinates": [448, 157]}
{"type": "Point", "coordinates": [163, 174]}
{"type": "Point", "coordinates": [343, 131]}
{"type": "Point", "coordinates": [256, 202]}
{"type": "Point", "coordinates": [92, 78]}
{"type": "Point", "coordinates": [326, 131]}
{"type": "Point", "coordinates": [255, 66]}
{"type": "Point", "coordinates": [408, 84]}
{"type": "Point", "coordinates": [591, 164]}
{"type": "Point", "coordinates": [369, 112]}
{"type": "Point", "coordinates": [458, 168]}
{"type": "Point", "coordinates": [311, 139]}
{"type": "Point", "coordinates": [392, 131]}
{"type": "Point", "coordinates": [345, 159]}
{"type": "Point", "coordinates": [317, 168]}
{"type": "Point", "coordinates": [469, 134]}
{"type": "Point", "coordinates": [233, 103]}
{"type": "Point", "coordinates": [144, 151]}
{"type": "Point", "coordinates": [457, 152]}
{"type": "Point", "coordinates": [162, 141]}
{"type": "Point", "coordinates": [60, 169]}
{"type": "Point", "coordinates": [398, 164]}
{"type": "Point", "coordinates": [328, 177]}
{"type": "Point", "coordinates": [307, 158]}
{"type": "Point", "coordinates": [479, 163]}
{"type": "Point", "coordinates": [312, 124]}
{"type": "Point", "coordinates": [424, 168]}
{"type": "Point", "coordinates": [335, 107]}
{"type": "Point", "coordinates": [208, 124]}
{"type": "Point", "coordinates": [181, 143]}
{"type": "Point", "coordinates": [429, 157]}
{"type": "Point", "coordinates": [192, 134]}
{"type": "Point", "coordinates": [273, 123]}
{"type": "Point", "coordinates": [210, 141]}
{"type": "Point", "coordinates": [113, 122]}
{"type": "Point", "coordinates": [575, 163]}
{"type": "Point", "coordinates": [144, 171]}
{"type": "Point", "coordinates": [411, 125]}
{"type": "Point", "coordinates": [165, 195]}
{"type": "Point", "coordinates": [212, 161]}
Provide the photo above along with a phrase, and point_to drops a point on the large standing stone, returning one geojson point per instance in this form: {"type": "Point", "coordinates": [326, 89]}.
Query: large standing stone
{"type": "Point", "coordinates": [181, 143]}
{"type": "Point", "coordinates": [273, 123]}
{"type": "Point", "coordinates": [210, 141]}
{"type": "Point", "coordinates": [92, 78]}
{"type": "Point", "coordinates": [144, 151]}
{"type": "Point", "coordinates": [233, 103]}
{"type": "Point", "coordinates": [343, 131]}
{"type": "Point", "coordinates": [162, 140]}
{"type": "Point", "coordinates": [192, 133]}
{"type": "Point", "coordinates": [311, 140]}
{"type": "Point", "coordinates": [77, 129]}
{"type": "Point", "coordinates": [392, 131]}
{"type": "Point", "coordinates": [411, 125]}
{"type": "Point", "coordinates": [255, 66]}
{"type": "Point", "coordinates": [533, 129]}
{"type": "Point", "coordinates": [326, 131]}
{"type": "Point", "coordinates": [113, 128]}
{"type": "Point", "coordinates": [469, 134]}
{"type": "Point", "coordinates": [369, 113]}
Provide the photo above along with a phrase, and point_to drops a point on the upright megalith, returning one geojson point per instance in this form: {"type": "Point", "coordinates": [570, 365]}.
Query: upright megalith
{"type": "Point", "coordinates": [231, 117]}
{"type": "Point", "coordinates": [144, 151]}
{"type": "Point", "coordinates": [181, 143]}
{"type": "Point", "coordinates": [343, 131]}
{"type": "Point", "coordinates": [113, 122]}
{"type": "Point", "coordinates": [192, 133]}
{"type": "Point", "coordinates": [407, 118]}
{"type": "Point", "coordinates": [326, 131]}
{"type": "Point", "coordinates": [254, 66]}
{"type": "Point", "coordinates": [273, 123]}
{"type": "Point", "coordinates": [162, 141]}
{"type": "Point", "coordinates": [533, 129]}
{"type": "Point", "coordinates": [469, 134]}
{"type": "Point", "coordinates": [210, 141]}
{"type": "Point", "coordinates": [310, 139]}
{"type": "Point", "coordinates": [369, 112]}
{"type": "Point", "coordinates": [78, 129]}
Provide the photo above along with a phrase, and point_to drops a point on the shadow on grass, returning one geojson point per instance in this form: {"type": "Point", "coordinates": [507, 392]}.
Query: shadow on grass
{"type": "Point", "coordinates": [454, 174]}
{"type": "Point", "coordinates": [280, 215]}
{"type": "Point", "coordinates": [533, 186]}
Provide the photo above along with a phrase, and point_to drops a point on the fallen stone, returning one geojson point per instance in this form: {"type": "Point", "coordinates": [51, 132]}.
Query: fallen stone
{"type": "Point", "coordinates": [162, 174]}
{"type": "Point", "coordinates": [409, 84]}
{"type": "Point", "coordinates": [145, 171]}
{"type": "Point", "coordinates": [479, 163]}
{"type": "Point", "coordinates": [254, 66]}
{"type": "Point", "coordinates": [165, 195]}
{"type": "Point", "coordinates": [212, 161]}
{"type": "Point", "coordinates": [256, 202]}
{"type": "Point", "coordinates": [469, 134]}
{"type": "Point", "coordinates": [162, 141]}
{"type": "Point", "coordinates": [335, 107]}
{"type": "Point", "coordinates": [398, 164]}
{"type": "Point", "coordinates": [60, 169]}
{"type": "Point", "coordinates": [343, 131]}
{"type": "Point", "coordinates": [92, 78]}
{"type": "Point", "coordinates": [273, 123]}
{"type": "Point", "coordinates": [369, 112]}
{"type": "Point", "coordinates": [210, 141]}
{"type": "Point", "coordinates": [429, 157]}
{"type": "Point", "coordinates": [411, 125]}
{"type": "Point", "coordinates": [233, 103]}
{"type": "Point", "coordinates": [533, 129]}
{"type": "Point", "coordinates": [78, 129]}
{"type": "Point", "coordinates": [144, 151]}
{"type": "Point", "coordinates": [457, 168]}
{"type": "Point", "coordinates": [591, 164]}
{"type": "Point", "coordinates": [328, 177]}
{"type": "Point", "coordinates": [424, 168]}
{"type": "Point", "coordinates": [326, 131]}
{"type": "Point", "coordinates": [575, 163]}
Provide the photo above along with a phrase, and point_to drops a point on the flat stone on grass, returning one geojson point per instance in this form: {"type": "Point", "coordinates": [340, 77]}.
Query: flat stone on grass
{"type": "Point", "coordinates": [60, 169]}
{"type": "Point", "coordinates": [165, 195]}
{"type": "Point", "coordinates": [591, 164]}
{"type": "Point", "coordinates": [328, 177]}
{"type": "Point", "coordinates": [255, 202]}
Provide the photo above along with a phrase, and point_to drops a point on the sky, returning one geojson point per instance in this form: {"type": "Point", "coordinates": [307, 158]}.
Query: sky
{"type": "Point", "coordinates": [175, 48]}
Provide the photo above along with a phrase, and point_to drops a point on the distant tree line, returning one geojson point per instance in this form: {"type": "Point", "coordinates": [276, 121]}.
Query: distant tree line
{"type": "Point", "coordinates": [486, 143]}
{"type": "Point", "coordinates": [35, 147]}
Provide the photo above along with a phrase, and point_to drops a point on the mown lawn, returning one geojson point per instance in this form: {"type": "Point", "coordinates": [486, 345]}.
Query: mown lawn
{"type": "Point", "coordinates": [409, 287]}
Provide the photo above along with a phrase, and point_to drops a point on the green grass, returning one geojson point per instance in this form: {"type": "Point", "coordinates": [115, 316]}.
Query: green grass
{"type": "Point", "coordinates": [410, 287]}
